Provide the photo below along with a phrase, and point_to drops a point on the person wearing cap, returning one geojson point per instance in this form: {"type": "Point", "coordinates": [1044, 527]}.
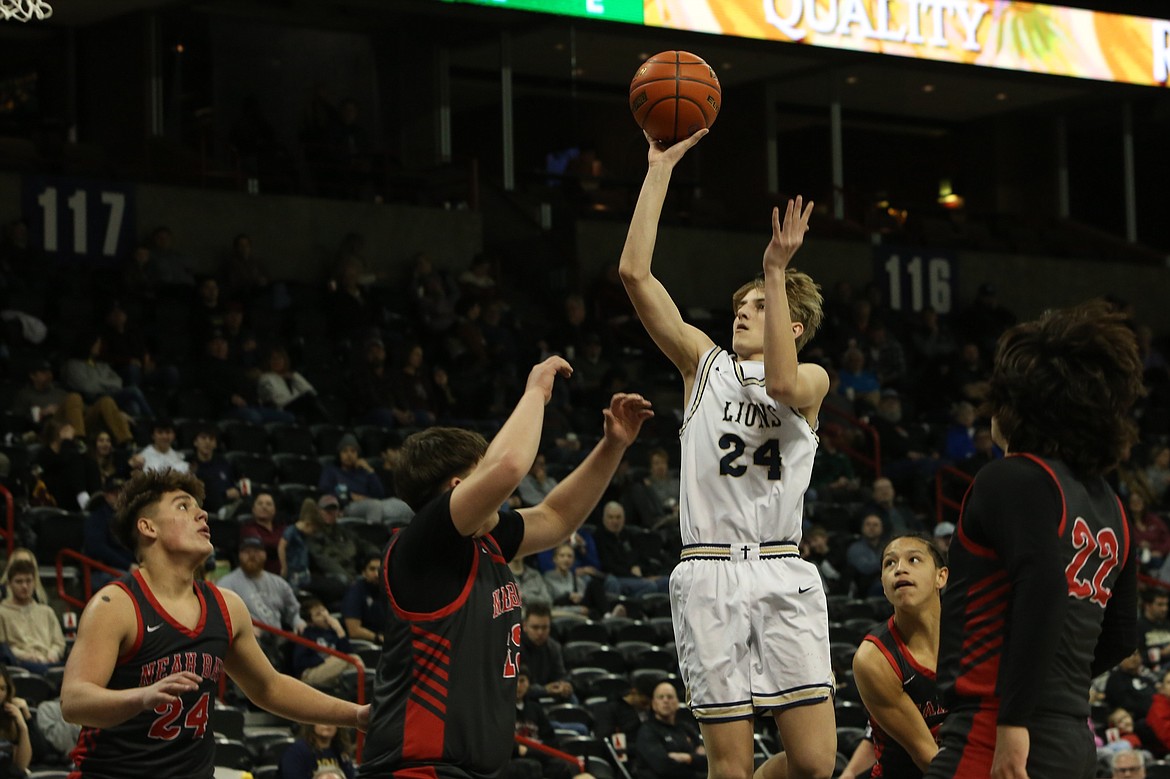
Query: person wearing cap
{"type": "Point", "coordinates": [941, 538]}
{"type": "Point", "coordinates": [266, 525]}
{"type": "Point", "coordinates": [160, 454]}
{"type": "Point", "coordinates": [268, 597]}
{"type": "Point", "coordinates": [42, 398]}
{"type": "Point", "coordinates": [353, 480]}
{"type": "Point", "coordinates": [334, 551]}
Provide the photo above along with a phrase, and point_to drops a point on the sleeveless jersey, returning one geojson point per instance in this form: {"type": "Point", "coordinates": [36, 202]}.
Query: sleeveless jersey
{"type": "Point", "coordinates": [746, 460]}
{"type": "Point", "coordinates": [918, 682]}
{"type": "Point", "coordinates": [1094, 547]}
{"type": "Point", "coordinates": [173, 739]}
{"type": "Point", "coordinates": [445, 693]}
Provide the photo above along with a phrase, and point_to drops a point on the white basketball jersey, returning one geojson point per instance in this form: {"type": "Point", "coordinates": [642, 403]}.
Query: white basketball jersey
{"type": "Point", "coordinates": [746, 460]}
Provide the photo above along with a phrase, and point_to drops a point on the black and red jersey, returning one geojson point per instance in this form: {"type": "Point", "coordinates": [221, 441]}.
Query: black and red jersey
{"type": "Point", "coordinates": [445, 696]}
{"type": "Point", "coordinates": [173, 739]}
{"type": "Point", "coordinates": [918, 682]}
{"type": "Point", "coordinates": [1042, 592]}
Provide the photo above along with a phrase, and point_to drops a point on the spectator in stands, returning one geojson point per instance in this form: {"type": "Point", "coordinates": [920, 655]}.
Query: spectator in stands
{"type": "Point", "coordinates": [216, 473]}
{"type": "Point", "coordinates": [533, 723]}
{"type": "Point", "coordinates": [102, 458]}
{"type": "Point", "coordinates": [41, 399]}
{"type": "Point", "coordinates": [88, 374]}
{"type": "Point", "coordinates": [293, 550]}
{"type": "Point", "coordinates": [349, 311]}
{"type": "Point", "coordinates": [859, 384]}
{"type": "Point", "coordinates": [317, 668]}
{"type": "Point", "coordinates": [985, 319]}
{"type": "Point", "coordinates": [371, 387]}
{"type": "Point", "coordinates": [618, 719]}
{"type": "Point", "coordinates": [568, 334]}
{"type": "Point", "coordinates": [140, 282]}
{"type": "Point", "coordinates": [1158, 475]}
{"type": "Point", "coordinates": [282, 388]}
{"type": "Point", "coordinates": [244, 276]}
{"type": "Point", "coordinates": [833, 477]}
{"type": "Point", "coordinates": [243, 347]}
{"type": "Point", "coordinates": [63, 469]}
{"type": "Point", "coordinates": [1158, 717]}
{"type": "Point", "coordinates": [969, 375]}
{"type": "Point", "coordinates": [530, 581]}
{"type": "Point", "coordinates": [944, 533]}
{"type": "Point", "coordinates": [207, 315]}
{"type": "Point", "coordinates": [1131, 686]}
{"type": "Point", "coordinates": [885, 355]}
{"type": "Point", "coordinates": [662, 487]}
{"type": "Point", "coordinates": [567, 590]}
{"type": "Point", "coordinates": [101, 543]}
{"type": "Point", "coordinates": [864, 558]}
{"type": "Point", "coordinates": [1149, 533]}
{"type": "Point", "coordinates": [317, 748]}
{"type": "Point", "coordinates": [421, 394]}
{"type": "Point", "coordinates": [124, 348]}
{"type": "Point", "coordinates": [160, 454]}
{"type": "Point", "coordinates": [478, 282]}
{"type": "Point", "coordinates": [669, 746]}
{"type": "Point", "coordinates": [908, 459]}
{"type": "Point", "coordinates": [354, 483]}
{"type": "Point", "coordinates": [959, 438]}
{"type": "Point", "coordinates": [536, 484]}
{"type": "Point", "coordinates": [265, 525]}
{"type": "Point", "coordinates": [32, 630]}
{"type": "Point", "coordinates": [18, 554]}
{"type": "Point", "coordinates": [589, 371]}
{"type": "Point", "coordinates": [897, 518]}
{"type": "Point", "coordinates": [364, 606]}
{"type": "Point", "coordinates": [816, 547]}
{"type": "Point", "coordinates": [985, 452]}
{"type": "Point", "coordinates": [542, 653]}
{"type": "Point", "coordinates": [268, 597]}
{"type": "Point", "coordinates": [172, 267]}
{"type": "Point", "coordinates": [1128, 764]}
{"type": "Point", "coordinates": [334, 551]}
{"type": "Point", "coordinates": [933, 342]}
{"type": "Point", "coordinates": [15, 720]}
{"type": "Point", "coordinates": [227, 386]}
{"type": "Point", "coordinates": [1154, 629]}
{"type": "Point", "coordinates": [585, 559]}
{"type": "Point", "coordinates": [1122, 720]}
{"type": "Point", "coordinates": [619, 558]}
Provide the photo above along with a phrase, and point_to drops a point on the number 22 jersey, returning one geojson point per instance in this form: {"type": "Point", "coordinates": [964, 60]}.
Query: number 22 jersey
{"type": "Point", "coordinates": [746, 459]}
{"type": "Point", "coordinates": [172, 739]}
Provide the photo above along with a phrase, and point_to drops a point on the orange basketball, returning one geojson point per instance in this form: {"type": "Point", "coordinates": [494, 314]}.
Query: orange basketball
{"type": "Point", "coordinates": [673, 95]}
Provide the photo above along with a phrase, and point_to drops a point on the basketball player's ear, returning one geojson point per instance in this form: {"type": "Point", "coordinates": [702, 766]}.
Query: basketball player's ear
{"type": "Point", "coordinates": [146, 528]}
{"type": "Point", "coordinates": [944, 574]}
{"type": "Point", "coordinates": [797, 329]}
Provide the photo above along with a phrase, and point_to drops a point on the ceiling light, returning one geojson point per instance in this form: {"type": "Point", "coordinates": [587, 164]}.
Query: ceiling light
{"type": "Point", "coordinates": [928, 88]}
{"type": "Point", "coordinates": [1001, 96]}
{"type": "Point", "coordinates": [851, 79]}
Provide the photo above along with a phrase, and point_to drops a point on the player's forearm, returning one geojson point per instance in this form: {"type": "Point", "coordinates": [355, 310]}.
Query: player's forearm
{"type": "Point", "coordinates": [639, 248]}
{"type": "Point", "coordinates": [292, 699]}
{"type": "Point", "coordinates": [779, 346]}
{"type": "Point", "coordinates": [573, 499]}
{"type": "Point", "coordinates": [92, 706]}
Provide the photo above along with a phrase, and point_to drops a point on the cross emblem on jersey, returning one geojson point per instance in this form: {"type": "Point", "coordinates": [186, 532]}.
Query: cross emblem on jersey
{"type": "Point", "coordinates": [746, 549]}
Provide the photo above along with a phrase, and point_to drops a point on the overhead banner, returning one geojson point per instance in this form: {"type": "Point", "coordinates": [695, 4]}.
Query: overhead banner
{"type": "Point", "coordinates": [1017, 36]}
{"type": "Point", "coordinates": [1027, 37]}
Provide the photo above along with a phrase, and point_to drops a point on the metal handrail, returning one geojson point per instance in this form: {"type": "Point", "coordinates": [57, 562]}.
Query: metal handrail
{"type": "Point", "coordinates": [873, 459]}
{"type": "Point", "coordinates": [9, 529]}
{"type": "Point", "coordinates": [941, 500]}
{"type": "Point", "coordinates": [88, 565]}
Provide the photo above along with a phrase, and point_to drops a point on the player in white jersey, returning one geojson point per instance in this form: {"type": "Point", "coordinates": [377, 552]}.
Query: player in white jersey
{"type": "Point", "coordinates": [750, 620]}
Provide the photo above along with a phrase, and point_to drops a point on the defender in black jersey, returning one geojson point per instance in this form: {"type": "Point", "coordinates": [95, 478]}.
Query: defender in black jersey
{"type": "Point", "coordinates": [445, 692]}
{"type": "Point", "coordinates": [152, 648]}
{"type": "Point", "coordinates": [895, 665]}
{"type": "Point", "coordinates": [1042, 595]}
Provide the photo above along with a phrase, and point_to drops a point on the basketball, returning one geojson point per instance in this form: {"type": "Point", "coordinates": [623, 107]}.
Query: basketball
{"type": "Point", "coordinates": [674, 94]}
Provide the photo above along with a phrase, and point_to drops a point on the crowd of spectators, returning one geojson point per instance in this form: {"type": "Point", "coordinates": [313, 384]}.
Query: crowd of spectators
{"type": "Point", "coordinates": [289, 402]}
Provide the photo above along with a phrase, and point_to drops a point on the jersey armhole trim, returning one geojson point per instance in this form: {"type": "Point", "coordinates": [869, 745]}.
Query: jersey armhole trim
{"type": "Point", "coordinates": [416, 616]}
{"type": "Point", "coordinates": [701, 376]}
{"type": "Point", "coordinates": [906, 653]}
{"type": "Point", "coordinates": [1124, 529]}
{"type": "Point", "coordinates": [223, 608]}
{"type": "Point", "coordinates": [971, 545]}
{"type": "Point", "coordinates": [133, 650]}
{"type": "Point", "coordinates": [893, 661]}
{"type": "Point", "coordinates": [1059, 489]}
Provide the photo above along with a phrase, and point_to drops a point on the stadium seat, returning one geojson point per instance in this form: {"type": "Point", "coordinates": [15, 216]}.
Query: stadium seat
{"type": "Point", "coordinates": [227, 721]}
{"type": "Point", "coordinates": [259, 468]}
{"type": "Point", "coordinates": [285, 438]}
{"type": "Point", "coordinates": [570, 712]}
{"type": "Point", "coordinates": [848, 737]}
{"type": "Point", "coordinates": [232, 753]}
{"type": "Point", "coordinates": [34, 688]}
{"type": "Point", "coordinates": [240, 436]}
{"type": "Point", "coordinates": [576, 653]}
{"type": "Point", "coordinates": [582, 680]}
{"type": "Point", "coordinates": [635, 630]}
{"type": "Point", "coordinates": [851, 715]}
{"type": "Point", "coordinates": [295, 468]}
{"type": "Point", "coordinates": [587, 631]}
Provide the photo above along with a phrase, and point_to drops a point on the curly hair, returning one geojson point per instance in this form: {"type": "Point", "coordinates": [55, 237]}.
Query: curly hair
{"type": "Point", "coordinates": [804, 301]}
{"type": "Point", "coordinates": [1063, 386]}
{"type": "Point", "coordinates": [142, 494]}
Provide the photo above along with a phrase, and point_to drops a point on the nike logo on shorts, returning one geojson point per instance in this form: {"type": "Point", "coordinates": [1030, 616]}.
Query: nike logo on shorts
{"type": "Point", "coordinates": [803, 590]}
{"type": "Point", "coordinates": [153, 628]}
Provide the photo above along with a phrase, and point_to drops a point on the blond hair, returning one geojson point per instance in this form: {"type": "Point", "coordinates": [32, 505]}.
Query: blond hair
{"type": "Point", "coordinates": [804, 301]}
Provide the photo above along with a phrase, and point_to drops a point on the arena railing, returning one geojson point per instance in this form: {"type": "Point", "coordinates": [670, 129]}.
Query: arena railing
{"type": "Point", "coordinates": [943, 501]}
{"type": "Point", "coordinates": [577, 762]}
{"type": "Point", "coordinates": [871, 459]}
{"type": "Point", "coordinates": [88, 566]}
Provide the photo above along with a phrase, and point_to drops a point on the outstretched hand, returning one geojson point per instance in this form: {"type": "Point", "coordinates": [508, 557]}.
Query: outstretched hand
{"type": "Point", "coordinates": [543, 374]}
{"type": "Point", "coordinates": [788, 236]}
{"type": "Point", "coordinates": [661, 154]}
{"type": "Point", "coordinates": [168, 689]}
{"type": "Point", "coordinates": [624, 417]}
